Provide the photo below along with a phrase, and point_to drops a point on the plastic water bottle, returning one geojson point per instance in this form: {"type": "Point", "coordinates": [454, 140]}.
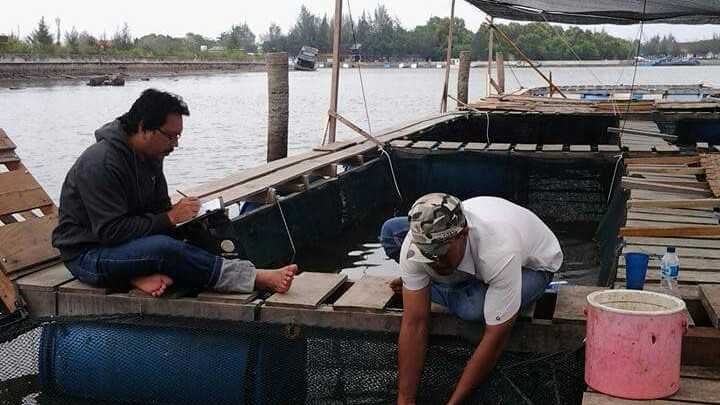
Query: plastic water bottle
{"type": "Point", "coordinates": [669, 268]}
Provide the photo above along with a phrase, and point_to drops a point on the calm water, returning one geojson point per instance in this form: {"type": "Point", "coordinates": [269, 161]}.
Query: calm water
{"type": "Point", "coordinates": [227, 129]}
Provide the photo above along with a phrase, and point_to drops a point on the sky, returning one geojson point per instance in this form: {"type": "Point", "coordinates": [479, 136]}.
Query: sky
{"type": "Point", "coordinates": [211, 17]}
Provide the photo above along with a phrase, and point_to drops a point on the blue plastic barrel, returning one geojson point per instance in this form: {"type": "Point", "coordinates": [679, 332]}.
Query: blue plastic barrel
{"type": "Point", "coordinates": [120, 362]}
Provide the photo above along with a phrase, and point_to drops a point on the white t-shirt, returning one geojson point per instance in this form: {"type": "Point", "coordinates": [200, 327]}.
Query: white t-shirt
{"type": "Point", "coordinates": [503, 238]}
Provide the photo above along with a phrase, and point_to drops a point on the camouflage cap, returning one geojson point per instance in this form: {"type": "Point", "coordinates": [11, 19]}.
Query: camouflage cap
{"type": "Point", "coordinates": [435, 220]}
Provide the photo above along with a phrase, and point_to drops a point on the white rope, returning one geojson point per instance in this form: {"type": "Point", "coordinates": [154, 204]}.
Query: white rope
{"type": "Point", "coordinates": [287, 229]}
{"type": "Point", "coordinates": [612, 182]}
{"type": "Point", "coordinates": [392, 172]}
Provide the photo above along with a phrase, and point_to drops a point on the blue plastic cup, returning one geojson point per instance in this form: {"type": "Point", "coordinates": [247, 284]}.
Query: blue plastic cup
{"type": "Point", "coordinates": [636, 265]}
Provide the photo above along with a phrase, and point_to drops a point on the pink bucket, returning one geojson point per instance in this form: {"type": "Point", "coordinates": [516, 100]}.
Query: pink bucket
{"type": "Point", "coordinates": [634, 342]}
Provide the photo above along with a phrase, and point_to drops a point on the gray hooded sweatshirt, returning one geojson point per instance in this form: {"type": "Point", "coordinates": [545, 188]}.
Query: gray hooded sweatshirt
{"type": "Point", "coordinates": [110, 196]}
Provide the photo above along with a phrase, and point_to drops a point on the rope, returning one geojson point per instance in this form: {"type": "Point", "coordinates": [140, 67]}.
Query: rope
{"type": "Point", "coordinates": [612, 182]}
{"type": "Point", "coordinates": [287, 229]}
{"type": "Point", "coordinates": [359, 69]}
{"type": "Point", "coordinates": [392, 172]}
{"type": "Point", "coordinates": [637, 54]}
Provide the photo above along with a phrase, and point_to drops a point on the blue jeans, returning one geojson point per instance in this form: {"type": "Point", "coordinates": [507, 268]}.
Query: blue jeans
{"type": "Point", "coordinates": [114, 267]}
{"type": "Point", "coordinates": [466, 300]}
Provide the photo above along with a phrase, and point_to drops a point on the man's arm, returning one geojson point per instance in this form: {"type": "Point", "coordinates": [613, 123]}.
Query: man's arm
{"type": "Point", "coordinates": [483, 359]}
{"type": "Point", "coordinates": [412, 342]}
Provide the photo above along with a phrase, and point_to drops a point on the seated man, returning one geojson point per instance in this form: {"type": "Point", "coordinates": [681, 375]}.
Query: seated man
{"type": "Point", "coordinates": [483, 259]}
{"type": "Point", "coordinates": [116, 218]}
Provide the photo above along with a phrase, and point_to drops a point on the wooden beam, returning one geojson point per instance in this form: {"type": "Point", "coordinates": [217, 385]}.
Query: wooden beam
{"type": "Point", "coordinates": [710, 298]}
{"type": "Point", "coordinates": [8, 293]}
{"type": "Point", "coordinates": [356, 128]}
{"type": "Point", "coordinates": [680, 203]}
{"type": "Point", "coordinates": [675, 170]}
{"type": "Point", "coordinates": [660, 160]}
{"type": "Point", "coordinates": [621, 131]}
{"type": "Point", "coordinates": [630, 183]}
{"type": "Point", "coordinates": [337, 31]}
{"type": "Point", "coordinates": [673, 231]}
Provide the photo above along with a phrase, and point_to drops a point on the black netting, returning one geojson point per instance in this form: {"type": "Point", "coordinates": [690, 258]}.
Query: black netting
{"type": "Point", "coordinates": [136, 359]}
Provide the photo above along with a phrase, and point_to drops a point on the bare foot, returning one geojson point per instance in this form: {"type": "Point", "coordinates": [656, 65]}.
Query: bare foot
{"type": "Point", "coordinates": [154, 284]}
{"type": "Point", "coordinates": [278, 281]}
{"type": "Point", "coordinates": [396, 285]}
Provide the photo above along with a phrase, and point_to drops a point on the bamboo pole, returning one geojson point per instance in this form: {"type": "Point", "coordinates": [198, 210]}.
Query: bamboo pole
{"type": "Point", "coordinates": [524, 57]}
{"type": "Point", "coordinates": [443, 102]}
{"type": "Point", "coordinates": [488, 88]}
{"type": "Point", "coordinates": [278, 105]}
{"type": "Point", "coordinates": [332, 123]}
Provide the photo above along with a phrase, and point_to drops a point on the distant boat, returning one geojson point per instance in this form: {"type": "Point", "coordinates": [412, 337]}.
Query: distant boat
{"type": "Point", "coordinates": [438, 66]}
{"type": "Point", "coordinates": [402, 66]}
{"type": "Point", "coordinates": [414, 66]}
{"type": "Point", "coordinates": [306, 59]}
{"type": "Point", "coordinates": [668, 61]}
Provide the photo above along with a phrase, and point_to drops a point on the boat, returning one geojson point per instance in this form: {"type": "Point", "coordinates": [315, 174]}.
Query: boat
{"type": "Point", "coordinates": [593, 171]}
{"type": "Point", "coordinates": [306, 59]}
{"type": "Point", "coordinates": [676, 61]}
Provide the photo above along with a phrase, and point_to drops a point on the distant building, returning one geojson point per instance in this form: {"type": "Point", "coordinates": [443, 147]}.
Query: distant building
{"type": "Point", "coordinates": [216, 49]}
{"type": "Point", "coordinates": [203, 48]}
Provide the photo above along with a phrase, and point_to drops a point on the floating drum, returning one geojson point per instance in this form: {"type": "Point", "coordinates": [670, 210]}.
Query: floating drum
{"type": "Point", "coordinates": [133, 363]}
{"type": "Point", "coordinates": [634, 342]}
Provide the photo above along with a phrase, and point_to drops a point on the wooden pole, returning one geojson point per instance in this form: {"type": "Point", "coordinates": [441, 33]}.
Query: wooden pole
{"type": "Point", "coordinates": [337, 31]}
{"type": "Point", "coordinates": [500, 59]}
{"type": "Point", "coordinates": [278, 105]}
{"type": "Point", "coordinates": [524, 57]}
{"type": "Point", "coordinates": [552, 90]}
{"type": "Point", "coordinates": [443, 103]}
{"type": "Point", "coordinates": [463, 77]}
{"type": "Point", "coordinates": [488, 87]}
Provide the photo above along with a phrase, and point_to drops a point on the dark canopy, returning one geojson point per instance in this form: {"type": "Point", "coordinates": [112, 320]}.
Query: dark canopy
{"type": "Point", "coordinates": [604, 11]}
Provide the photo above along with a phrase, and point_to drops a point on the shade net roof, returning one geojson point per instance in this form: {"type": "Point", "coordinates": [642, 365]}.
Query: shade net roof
{"type": "Point", "coordinates": [604, 11]}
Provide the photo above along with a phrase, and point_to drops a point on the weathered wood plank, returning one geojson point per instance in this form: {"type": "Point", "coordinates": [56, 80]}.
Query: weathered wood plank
{"type": "Point", "coordinates": [687, 292]}
{"type": "Point", "coordinates": [580, 148]}
{"type": "Point", "coordinates": [661, 218]}
{"type": "Point", "coordinates": [369, 294]}
{"type": "Point", "coordinates": [673, 170]}
{"type": "Point", "coordinates": [631, 183]}
{"type": "Point", "coordinates": [596, 398]}
{"type": "Point", "coordinates": [335, 146]}
{"type": "Point", "coordinates": [227, 298]}
{"type": "Point", "coordinates": [424, 144]}
{"type": "Point", "coordinates": [19, 191]}
{"type": "Point", "coordinates": [401, 143]}
{"type": "Point", "coordinates": [687, 263]}
{"type": "Point", "coordinates": [640, 228]}
{"type": "Point", "coordinates": [570, 304]}
{"type": "Point", "coordinates": [78, 287]}
{"type": "Point", "coordinates": [525, 147]}
{"type": "Point", "coordinates": [663, 160]}
{"type": "Point", "coordinates": [8, 156]}
{"type": "Point", "coordinates": [608, 148]}
{"type": "Point", "coordinates": [27, 243]}
{"type": "Point", "coordinates": [475, 146]}
{"type": "Point", "coordinates": [675, 203]}
{"type": "Point", "coordinates": [683, 252]}
{"type": "Point", "coordinates": [5, 142]}
{"type": "Point", "coordinates": [308, 290]}
{"type": "Point", "coordinates": [685, 276]}
{"type": "Point", "coordinates": [8, 293]}
{"type": "Point", "coordinates": [450, 145]}
{"type": "Point", "coordinates": [666, 148]}
{"type": "Point", "coordinates": [552, 148]}
{"type": "Point", "coordinates": [46, 280]}
{"type": "Point", "coordinates": [707, 373]}
{"type": "Point", "coordinates": [498, 146]}
{"type": "Point", "coordinates": [683, 212]}
{"type": "Point", "coordinates": [679, 242]}
{"type": "Point", "coordinates": [656, 195]}
{"type": "Point", "coordinates": [710, 298]}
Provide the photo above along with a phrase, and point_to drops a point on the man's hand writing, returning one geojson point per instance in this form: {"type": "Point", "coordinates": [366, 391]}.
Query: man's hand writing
{"type": "Point", "coordinates": [184, 210]}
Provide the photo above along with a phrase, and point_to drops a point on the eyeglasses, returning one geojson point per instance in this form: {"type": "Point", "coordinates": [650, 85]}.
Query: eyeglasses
{"type": "Point", "coordinates": [170, 137]}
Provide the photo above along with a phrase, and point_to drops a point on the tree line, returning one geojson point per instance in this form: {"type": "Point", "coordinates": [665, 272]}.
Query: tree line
{"type": "Point", "coordinates": [378, 35]}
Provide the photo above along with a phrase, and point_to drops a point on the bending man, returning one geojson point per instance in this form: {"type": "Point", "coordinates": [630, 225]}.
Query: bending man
{"type": "Point", "coordinates": [483, 259]}
{"type": "Point", "coordinates": [116, 219]}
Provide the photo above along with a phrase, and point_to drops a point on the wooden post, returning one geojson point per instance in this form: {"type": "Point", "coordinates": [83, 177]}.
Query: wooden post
{"type": "Point", "coordinates": [443, 103]}
{"type": "Point", "coordinates": [278, 108]}
{"type": "Point", "coordinates": [488, 91]}
{"type": "Point", "coordinates": [463, 76]}
{"type": "Point", "coordinates": [500, 59]}
{"type": "Point", "coordinates": [337, 31]}
{"type": "Point", "coordinates": [552, 89]}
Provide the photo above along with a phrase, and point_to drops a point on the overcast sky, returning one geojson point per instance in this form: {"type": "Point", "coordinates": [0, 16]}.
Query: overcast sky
{"type": "Point", "coordinates": [211, 17]}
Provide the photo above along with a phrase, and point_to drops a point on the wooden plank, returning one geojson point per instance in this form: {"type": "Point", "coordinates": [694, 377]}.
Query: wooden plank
{"type": "Point", "coordinates": [19, 191]}
{"type": "Point", "coordinates": [631, 183]}
{"type": "Point", "coordinates": [308, 290]}
{"type": "Point", "coordinates": [46, 280]}
{"type": "Point", "coordinates": [212, 296]}
{"type": "Point", "coordinates": [5, 142]}
{"type": "Point", "coordinates": [656, 195]}
{"type": "Point", "coordinates": [700, 213]}
{"type": "Point", "coordinates": [424, 144]}
{"type": "Point", "coordinates": [710, 298]}
{"type": "Point", "coordinates": [687, 292]}
{"type": "Point", "coordinates": [660, 218]}
{"type": "Point", "coordinates": [686, 263]}
{"type": "Point", "coordinates": [608, 148]}
{"type": "Point", "coordinates": [708, 373]}
{"type": "Point", "coordinates": [78, 287]}
{"type": "Point", "coordinates": [369, 294]}
{"type": "Point", "coordinates": [675, 203]}
{"type": "Point", "coordinates": [335, 146]}
{"type": "Point", "coordinates": [27, 243]}
{"type": "Point", "coordinates": [665, 148]}
{"type": "Point", "coordinates": [702, 145]}
{"type": "Point", "coordinates": [499, 146]}
{"type": "Point", "coordinates": [450, 145]}
{"type": "Point", "coordinates": [685, 276]}
{"type": "Point", "coordinates": [475, 146]}
{"type": "Point", "coordinates": [663, 160]}
{"type": "Point", "coordinates": [596, 398]}
{"type": "Point", "coordinates": [672, 170]}
{"type": "Point", "coordinates": [8, 156]}
{"type": "Point", "coordinates": [401, 143]}
{"type": "Point", "coordinates": [552, 148]}
{"type": "Point", "coordinates": [670, 231]}
{"type": "Point", "coordinates": [679, 242]}
{"type": "Point", "coordinates": [580, 148]}
{"type": "Point", "coordinates": [635, 148]}
{"type": "Point", "coordinates": [8, 293]}
{"type": "Point", "coordinates": [571, 302]}
{"type": "Point", "coordinates": [664, 176]}
{"type": "Point", "coordinates": [683, 252]}
{"type": "Point", "coordinates": [525, 147]}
